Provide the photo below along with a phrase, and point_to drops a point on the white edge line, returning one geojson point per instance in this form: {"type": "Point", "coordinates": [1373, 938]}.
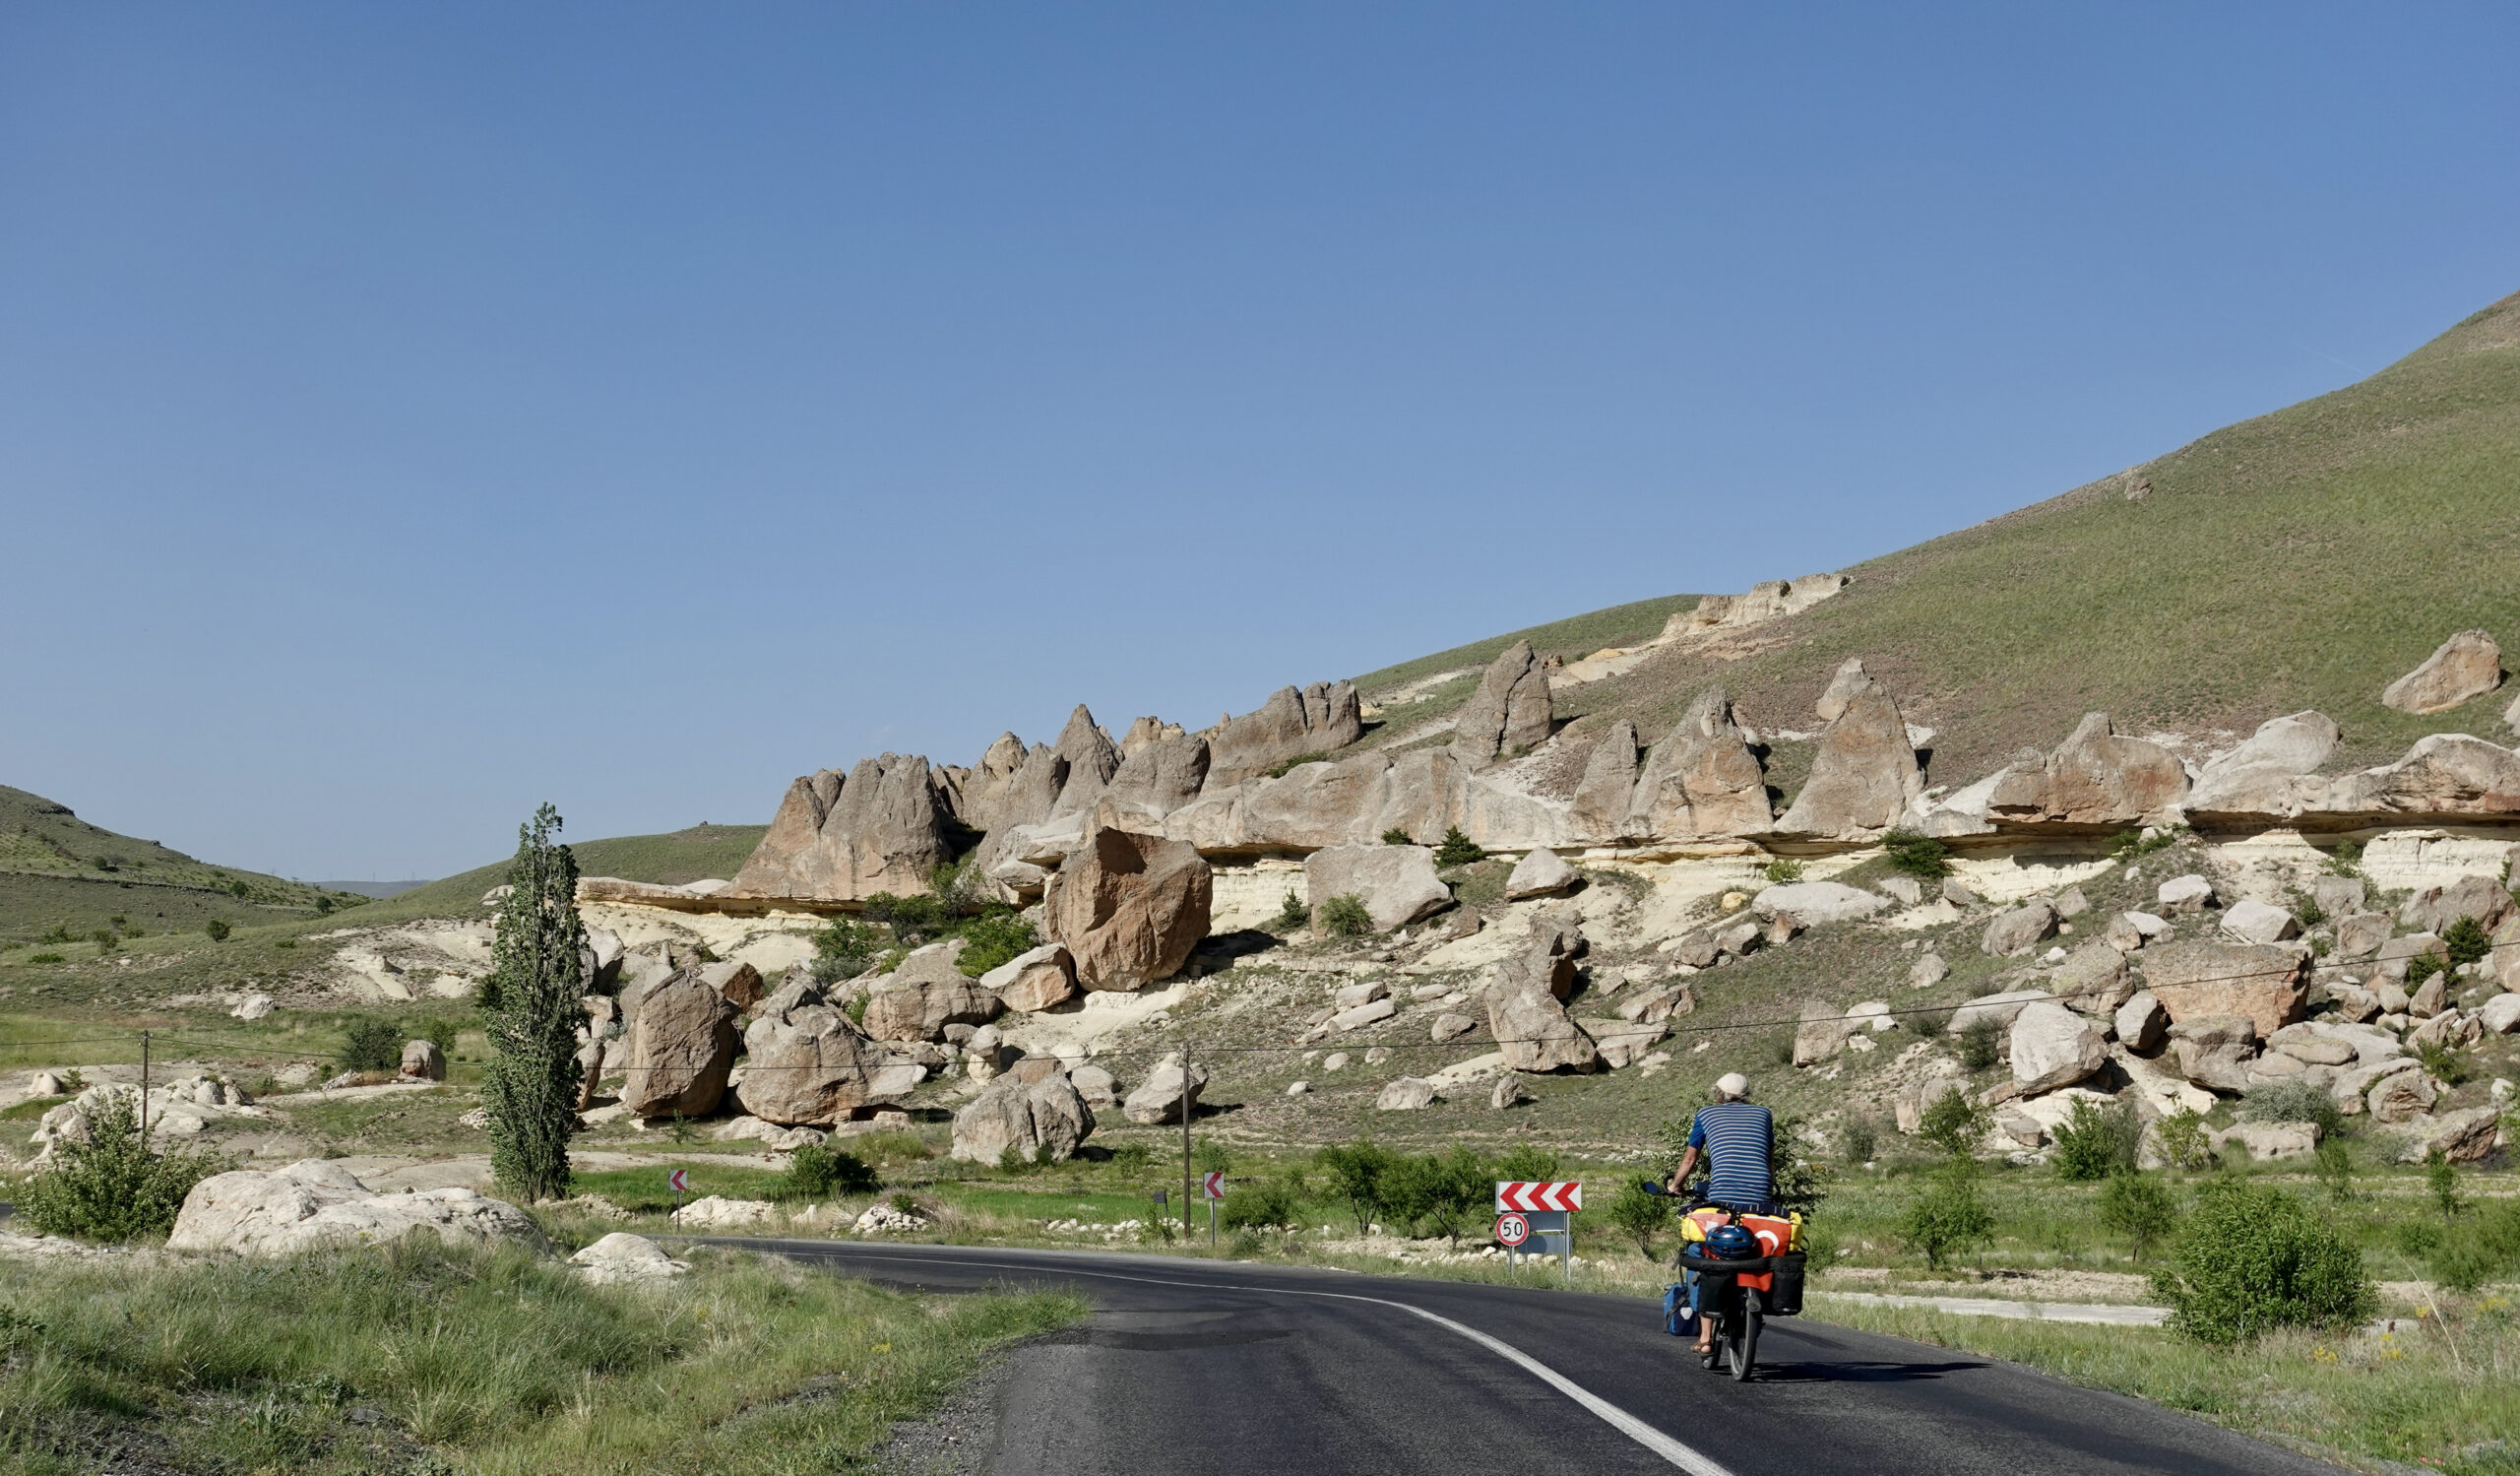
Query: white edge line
{"type": "Point", "coordinates": [1686, 1458]}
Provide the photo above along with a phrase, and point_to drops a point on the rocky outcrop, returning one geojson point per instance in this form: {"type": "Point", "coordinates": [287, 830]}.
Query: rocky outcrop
{"type": "Point", "coordinates": [2436, 908]}
{"type": "Point", "coordinates": [1159, 1099]}
{"type": "Point", "coordinates": [2267, 985]}
{"type": "Point", "coordinates": [2260, 776]}
{"type": "Point", "coordinates": [1702, 779]}
{"type": "Point", "coordinates": [885, 828]}
{"type": "Point", "coordinates": [317, 1204]}
{"type": "Point", "coordinates": [808, 1065]}
{"type": "Point", "coordinates": [1844, 685]}
{"type": "Point", "coordinates": [924, 995]}
{"type": "Point", "coordinates": [1315, 722]}
{"type": "Point", "coordinates": [1146, 730]}
{"type": "Point", "coordinates": [2445, 776]}
{"type": "Point", "coordinates": [1397, 884]}
{"type": "Point", "coordinates": [1814, 903]}
{"type": "Point", "coordinates": [1091, 761]}
{"type": "Point", "coordinates": [980, 798]}
{"type": "Point", "coordinates": [681, 1048]}
{"type": "Point", "coordinates": [2255, 921]}
{"type": "Point", "coordinates": [1129, 908]}
{"type": "Point", "coordinates": [1158, 778]}
{"type": "Point", "coordinates": [1034, 980]}
{"type": "Point", "coordinates": [1542, 874]}
{"type": "Point", "coordinates": [2052, 1046]}
{"type": "Point", "coordinates": [1509, 714]}
{"type": "Point", "coordinates": [1042, 1121]}
{"type": "Point", "coordinates": [2466, 666]}
{"type": "Point", "coordinates": [1772, 599]}
{"type": "Point", "coordinates": [1864, 775]}
{"type": "Point", "coordinates": [1534, 1032]}
{"type": "Point", "coordinates": [2095, 778]}
{"type": "Point", "coordinates": [1609, 784]}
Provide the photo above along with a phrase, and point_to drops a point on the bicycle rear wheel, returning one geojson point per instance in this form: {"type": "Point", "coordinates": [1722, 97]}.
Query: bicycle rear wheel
{"type": "Point", "coordinates": [1743, 1348]}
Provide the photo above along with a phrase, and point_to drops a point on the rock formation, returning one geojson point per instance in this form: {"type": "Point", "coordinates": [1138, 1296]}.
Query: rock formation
{"type": "Point", "coordinates": [1864, 775]}
{"type": "Point", "coordinates": [317, 1204]}
{"type": "Point", "coordinates": [885, 828]}
{"type": "Point", "coordinates": [2095, 778]}
{"type": "Point", "coordinates": [1771, 601]}
{"type": "Point", "coordinates": [2266, 985]}
{"type": "Point", "coordinates": [1396, 883]}
{"type": "Point", "coordinates": [924, 995]}
{"type": "Point", "coordinates": [1129, 908]}
{"type": "Point", "coordinates": [1159, 1099]}
{"type": "Point", "coordinates": [1042, 1121]}
{"type": "Point", "coordinates": [2466, 666]}
{"type": "Point", "coordinates": [1609, 784]}
{"type": "Point", "coordinates": [1509, 714]}
{"type": "Point", "coordinates": [1034, 980]}
{"type": "Point", "coordinates": [2259, 776]}
{"type": "Point", "coordinates": [1542, 874]}
{"type": "Point", "coordinates": [1315, 722]}
{"type": "Point", "coordinates": [681, 1048]}
{"type": "Point", "coordinates": [1702, 779]}
{"type": "Point", "coordinates": [1091, 759]}
{"type": "Point", "coordinates": [808, 1065]}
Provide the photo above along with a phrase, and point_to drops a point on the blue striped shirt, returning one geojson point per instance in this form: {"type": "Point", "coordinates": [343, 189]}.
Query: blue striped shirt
{"type": "Point", "coordinates": [1738, 1139]}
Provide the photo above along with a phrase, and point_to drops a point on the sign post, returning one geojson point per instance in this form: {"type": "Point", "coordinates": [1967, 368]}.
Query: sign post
{"type": "Point", "coordinates": [1213, 1186]}
{"type": "Point", "coordinates": [681, 1179]}
{"type": "Point", "coordinates": [1540, 1211]}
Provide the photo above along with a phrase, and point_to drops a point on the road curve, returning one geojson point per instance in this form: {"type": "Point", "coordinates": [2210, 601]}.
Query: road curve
{"type": "Point", "coordinates": [1231, 1368]}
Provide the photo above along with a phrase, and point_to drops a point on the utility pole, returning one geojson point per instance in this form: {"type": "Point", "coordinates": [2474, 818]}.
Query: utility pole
{"type": "Point", "coordinates": [1185, 1140]}
{"type": "Point", "coordinates": [144, 1090]}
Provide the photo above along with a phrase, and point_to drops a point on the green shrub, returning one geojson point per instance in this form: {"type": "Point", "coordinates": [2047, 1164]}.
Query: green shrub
{"type": "Point", "coordinates": [818, 1171]}
{"type": "Point", "coordinates": [1783, 869]}
{"type": "Point", "coordinates": [439, 1031]}
{"type": "Point", "coordinates": [1981, 1043]}
{"type": "Point", "coordinates": [1446, 1193]}
{"type": "Point", "coordinates": [1344, 916]}
{"type": "Point", "coordinates": [1954, 1125]}
{"type": "Point", "coordinates": [2336, 1168]}
{"type": "Point", "coordinates": [1361, 1177]}
{"type": "Point", "coordinates": [2345, 859]}
{"type": "Point", "coordinates": [2127, 845]}
{"type": "Point", "coordinates": [111, 1187]}
{"type": "Point", "coordinates": [2182, 1140]}
{"type": "Point", "coordinates": [1209, 1156]}
{"type": "Point", "coordinates": [913, 920]}
{"type": "Point", "coordinates": [2251, 1259]}
{"type": "Point", "coordinates": [2441, 1177]}
{"type": "Point", "coordinates": [2441, 1062]}
{"type": "Point", "coordinates": [1529, 1163]}
{"type": "Point", "coordinates": [2486, 1251]}
{"type": "Point", "coordinates": [2423, 967]}
{"type": "Point", "coordinates": [1291, 913]}
{"type": "Point", "coordinates": [2307, 909]}
{"type": "Point", "coordinates": [1262, 1204]}
{"type": "Point", "coordinates": [2139, 1207]}
{"type": "Point", "coordinates": [107, 940]}
{"type": "Point", "coordinates": [2466, 943]}
{"type": "Point", "coordinates": [2291, 1101]}
{"type": "Point", "coordinates": [995, 936]}
{"type": "Point", "coordinates": [2093, 1143]}
{"type": "Point", "coordinates": [58, 933]}
{"type": "Point", "coordinates": [218, 929]}
{"type": "Point", "coordinates": [1396, 836]}
{"type": "Point", "coordinates": [1858, 1137]}
{"type": "Point", "coordinates": [1919, 856]}
{"type": "Point", "coordinates": [369, 1043]}
{"type": "Point", "coordinates": [1949, 1215]}
{"type": "Point", "coordinates": [44, 958]}
{"type": "Point", "coordinates": [1458, 850]}
{"type": "Point", "coordinates": [843, 950]}
{"type": "Point", "coordinates": [1639, 1214]}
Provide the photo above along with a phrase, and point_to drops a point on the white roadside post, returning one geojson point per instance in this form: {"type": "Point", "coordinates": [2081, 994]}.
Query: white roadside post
{"type": "Point", "coordinates": [1539, 1210]}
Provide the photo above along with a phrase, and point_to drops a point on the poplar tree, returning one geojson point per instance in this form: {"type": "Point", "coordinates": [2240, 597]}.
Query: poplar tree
{"type": "Point", "coordinates": [530, 1000]}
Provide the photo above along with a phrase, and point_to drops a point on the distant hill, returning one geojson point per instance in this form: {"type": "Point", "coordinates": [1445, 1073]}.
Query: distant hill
{"type": "Point", "coordinates": [2301, 560]}
{"type": "Point", "coordinates": [377, 889]}
{"type": "Point", "coordinates": [691, 855]}
{"type": "Point", "coordinates": [61, 875]}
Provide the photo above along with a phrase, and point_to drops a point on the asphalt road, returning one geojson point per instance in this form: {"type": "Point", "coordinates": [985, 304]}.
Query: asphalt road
{"type": "Point", "coordinates": [1227, 1369]}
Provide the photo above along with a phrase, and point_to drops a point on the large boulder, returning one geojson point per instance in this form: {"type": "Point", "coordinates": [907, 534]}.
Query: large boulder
{"type": "Point", "coordinates": [2500, 1014]}
{"type": "Point", "coordinates": [1542, 874]}
{"type": "Point", "coordinates": [884, 828]}
{"type": "Point", "coordinates": [2020, 929]}
{"type": "Point", "coordinates": [1158, 778]}
{"type": "Point", "coordinates": [808, 1065]}
{"type": "Point", "coordinates": [681, 1048]}
{"type": "Point", "coordinates": [2445, 776]}
{"type": "Point", "coordinates": [1405, 1094]}
{"type": "Point", "coordinates": [1532, 1030]}
{"type": "Point", "coordinates": [2141, 1022]}
{"type": "Point", "coordinates": [2093, 979]}
{"type": "Point", "coordinates": [1865, 773]}
{"type": "Point", "coordinates": [1609, 784]}
{"type": "Point", "coordinates": [2466, 665]}
{"type": "Point", "coordinates": [1702, 779]}
{"type": "Point", "coordinates": [2002, 1008]}
{"type": "Point", "coordinates": [2436, 908]}
{"type": "Point", "coordinates": [1396, 883]}
{"type": "Point", "coordinates": [926, 993]}
{"type": "Point", "coordinates": [2253, 922]}
{"type": "Point", "coordinates": [2257, 777]}
{"type": "Point", "coordinates": [1159, 1100]}
{"type": "Point", "coordinates": [1822, 1029]}
{"type": "Point", "coordinates": [623, 1258]}
{"type": "Point", "coordinates": [739, 981]}
{"type": "Point", "coordinates": [1043, 1121]}
{"type": "Point", "coordinates": [1813, 903]}
{"type": "Point", "coordinates": [2052, 1046]}
{"type": "Point", "coordinates": [1546, 963]}
{"type": "Point", "coordinates": [2095, 778]}
{"type": "Point", "coordinates": [423, 1061]}
{"type": "Point", "coordinates": [1509, 714]}
{"type": "Point", "coordinates": [2400, 1097]}
{"type": "Point", "coordinates": [317, 1204]}
{"type": "Point", "coordinates": [1034, 980]}
{"type": "Point", "coordinates": [1292, 724]}
{"type": "Point", "coordinates": [2458, 1137]}
{"type": "Point", "coordinates": [1129, 908]}
{"type": "Point", "coordinates": [2268, 983]}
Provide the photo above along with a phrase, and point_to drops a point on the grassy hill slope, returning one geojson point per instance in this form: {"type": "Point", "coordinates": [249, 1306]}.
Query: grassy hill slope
{"type": "Point", "coordinates": [58, 873]}
{"type": "Point", "coordinates": [2301, 560]}
{"type": "Point", "coordinates": [671, 859]}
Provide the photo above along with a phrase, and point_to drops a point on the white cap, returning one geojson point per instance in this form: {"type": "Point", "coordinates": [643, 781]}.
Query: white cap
{"type": "Point", "coordinates": [1733, 1084]}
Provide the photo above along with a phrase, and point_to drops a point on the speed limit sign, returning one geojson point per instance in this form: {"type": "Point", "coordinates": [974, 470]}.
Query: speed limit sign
{"type": "Point", "coordinates": [1512, 1229]}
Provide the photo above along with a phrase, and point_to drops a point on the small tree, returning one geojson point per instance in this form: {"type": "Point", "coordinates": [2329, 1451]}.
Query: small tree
{"type": "Point", "coordinates": [530, 1086]}
{"type": "Point", "coordinates": [2255, 1260]}
{"type": "Point", "coordinates": [818, 1171]}
{"type": "Point", "coordinates": [1361, 1177]}
{"type": "Point", "coordinates": [1291, 913]}
{"type": "Point", "coordinates": [2466, 943]}
{"type": "Point", "coordinates": [370, 1043]}
{"type": "Point", "coordinates": [2139, 1207]}
{"type": "Point", "coordinates": [1954, 1125]}
{"type": "Point", "coordinates": [1919, 856]}
{"type": "Point", "coordinates": [1949, 1216]}
{"type": "Point", "coordinates": [111, 1187]}
{"type": "Point", "coordinates": [2182, 1140]}
{"type": "Point", "coordinates": [2093, 1143]}
{"type": "Point", "coordinates": [218, 929]}
{"type": "Point", "coordinates": [1981, 1043]}
{"type": "Point", "coordinates": [2336, 1168]}
{"type": "Point", "coordinates": [844, 949]}
{"type": "Point", "coordinates": [1344, 916]}
{"type": "Point", "coordinates": [1640, 1214]}
{"type": "Point", "coordinates": [1458, 850]}
{"type": "Point", "coordinates": [1858, 1137]}
{"type": "Point", "coordinates": [2441, 1177]}
{"type": "Point", "coordinates": [1396, 836]}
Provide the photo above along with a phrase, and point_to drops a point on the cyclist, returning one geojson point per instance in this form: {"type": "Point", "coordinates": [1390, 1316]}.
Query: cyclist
{"type": "Point", "coordinates": [1738, 1138]}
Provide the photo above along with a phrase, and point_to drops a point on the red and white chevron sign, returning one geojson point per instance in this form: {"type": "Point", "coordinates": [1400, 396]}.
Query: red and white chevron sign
{"type": "Point", "coordinates": [1527, 1197]}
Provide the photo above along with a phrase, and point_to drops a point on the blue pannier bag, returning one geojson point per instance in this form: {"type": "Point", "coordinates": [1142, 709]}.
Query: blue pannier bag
{"type": "Point", "coordinates": [1680, 1309]}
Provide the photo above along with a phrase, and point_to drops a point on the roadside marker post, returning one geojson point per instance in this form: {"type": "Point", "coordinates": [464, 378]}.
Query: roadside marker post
{"type": "Point", "coordinates": [681, 1179]}
{"type": "Point", "coordinates": [1541, 1211]}
{"type": "Point", "coordinates": [1213, 1186]}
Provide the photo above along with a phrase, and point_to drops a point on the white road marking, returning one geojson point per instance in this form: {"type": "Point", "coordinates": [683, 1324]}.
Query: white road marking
{"type": "Point", "coordinates": [1686, 1458]}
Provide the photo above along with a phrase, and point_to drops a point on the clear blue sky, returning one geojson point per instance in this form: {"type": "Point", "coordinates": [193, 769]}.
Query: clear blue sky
{"type": "Point", "coordinates": [409, 414]}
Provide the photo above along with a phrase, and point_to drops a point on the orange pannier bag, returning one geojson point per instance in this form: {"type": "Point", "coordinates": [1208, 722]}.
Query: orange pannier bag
{"type": "Point", "coordinates": [1775, 1237]}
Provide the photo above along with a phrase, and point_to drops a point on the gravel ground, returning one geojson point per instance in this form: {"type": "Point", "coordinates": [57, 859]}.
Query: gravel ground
{"type": "Point", "coordinates": [956, 1440]}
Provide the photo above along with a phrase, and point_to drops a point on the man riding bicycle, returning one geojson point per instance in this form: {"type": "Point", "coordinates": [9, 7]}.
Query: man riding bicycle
{"type": "Point", "coordinates": [1737, 1139]}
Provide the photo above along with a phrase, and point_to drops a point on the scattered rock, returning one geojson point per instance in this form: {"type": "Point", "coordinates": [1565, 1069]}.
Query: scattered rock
{"type": "Point", "coordinates": [254, 1008]}
{"type": "Point", "coordinates": [2267, 984]}
{"type": "Point", "coordinates": [2398, 952]}
{"type": "Point", "coordinates": [2260, 923]}
{"type": "Point", "coordinates": [2500, 1014]}
{"type": "Point", "coordinates": [423, 1061]}
{"type": "Point", "coordinates": [2095, 778]}
{"type": "Point", "coordinates": [2142, 1024]}
{"type": "Point", "coordinates": [2361, 935]}
{"type": "Point", "coordinates": [2269, 1142]}
{"type": "Point", "coordinates": [1405, 1094]}
{"type": "Point", "coordinates": [2401, 1097]}
{"type": "Point", "coordinates": [1449, 1027]}
{"type": "Point", "coordinates": [2340, 896]}
{"type": "Point", "coordinates": [2458, 1137]}
{"type": "Point", "coordinates": [316, 1204]}
{"type": "Point", "coordinates": [928, 992]}
{"type": "Point", "coordinates": [1039, 1122]}
{"type": "Point", "coordinates": [1158, 1099]}
{"type": "Point", "coordinates": [2019, 931]}
{"type": "Point", "coordinates": [1129, 908]}
{"type": "Point", "coordinates": [2258, 778]}
{"type": "Point", "coordinates": [1033, 980]}
{"type": "Point", "coordinates": [1397, 884]}
{"type": "Point", "coordinates": [1508, 1093]}
{"type": "Point", "coordinates": [2466, 666]}
{"type": "Point", "coordinates": [1702, 779]}
{"type": "Point", "coordinates": [1365, 1014]}
{"type": "Point", "coordinates": [2002, 1008]}
{"type": "Point", "coordinates": [1541, 873]}
{"type": "Point", "coordinates": [739, 983]}
{"type": "Point", "coordinates": [717, 1212]}
{"type": "Point", "coordinates": [1864, 774]}
{"type": "Point", "coordinates": [1609, 784]}
{"type": "Point", "coordinates": [1823, 1029]}
{"type": "Point", "coordinates": [1814, 903]}
{"type": "Point", "coordinates": [2436, 908]}
{"type": "Point", "coordinates": [623, 1257]}
{"type": "Point", "coordinates": [1096, 1085]}
{"type": "Point", "coordinates": [1532, 1026]}
{"type": "Point", "coordinates": [808, 1065]}
{"type": "Point", "coordinates": [1906, 890]}
{"type": "Point", "coordinates": [2052, 1048]}
{"type": "Point", "coordinates": [2093, 979]}
{"type": "Point", "coordinates": [2185, 894]}
{"type": "Point", "coordinates": [1928, 971]}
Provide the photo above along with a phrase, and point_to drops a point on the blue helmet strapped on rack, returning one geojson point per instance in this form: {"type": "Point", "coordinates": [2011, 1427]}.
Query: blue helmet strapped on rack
{"type": "Point", "coordinates": [1731, 1242]}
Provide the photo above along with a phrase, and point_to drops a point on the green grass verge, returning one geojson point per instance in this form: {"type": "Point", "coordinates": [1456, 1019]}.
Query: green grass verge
{"type": "Point", "coordinates": [416, 1358]}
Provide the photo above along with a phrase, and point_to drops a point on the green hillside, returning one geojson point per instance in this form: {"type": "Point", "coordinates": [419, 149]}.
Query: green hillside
{"type": "Point", "coordinates": [2301, 560]}
{"type": "Point", "coordinates": [671, 859]}
{"type": "Point", "coordinates": [60, 875]}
